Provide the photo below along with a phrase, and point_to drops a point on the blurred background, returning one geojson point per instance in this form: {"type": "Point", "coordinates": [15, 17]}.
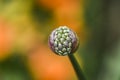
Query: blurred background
{"type": "Point", "coordinates": [25, 26]}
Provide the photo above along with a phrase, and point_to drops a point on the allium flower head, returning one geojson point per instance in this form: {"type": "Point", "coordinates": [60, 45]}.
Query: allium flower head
{"type": "Point", "coordinates": [63, 41]}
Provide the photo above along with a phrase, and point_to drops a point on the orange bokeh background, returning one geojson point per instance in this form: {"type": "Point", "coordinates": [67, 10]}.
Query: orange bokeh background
{"type": "Point", "coordinates": [19, 33]}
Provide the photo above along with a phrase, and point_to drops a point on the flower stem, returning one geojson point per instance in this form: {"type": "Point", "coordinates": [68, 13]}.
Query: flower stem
{"type": "Point", "coordinates": [76, 67]}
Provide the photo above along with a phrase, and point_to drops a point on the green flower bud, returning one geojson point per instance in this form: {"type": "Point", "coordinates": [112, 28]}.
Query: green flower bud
{"type": "Point", "coordinates": [63, 41]}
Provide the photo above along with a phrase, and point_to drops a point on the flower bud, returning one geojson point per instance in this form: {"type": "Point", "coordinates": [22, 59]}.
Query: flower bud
{"type": "Point", "coordinates": [63, 41]}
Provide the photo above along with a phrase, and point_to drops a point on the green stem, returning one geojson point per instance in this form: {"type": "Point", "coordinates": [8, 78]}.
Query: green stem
{"type": "Point", "coordinates": [77, 67]}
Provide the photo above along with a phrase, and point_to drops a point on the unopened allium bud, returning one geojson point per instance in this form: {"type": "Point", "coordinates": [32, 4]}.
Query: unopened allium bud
{"type": "Point", "coordinates": [63, 41]}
